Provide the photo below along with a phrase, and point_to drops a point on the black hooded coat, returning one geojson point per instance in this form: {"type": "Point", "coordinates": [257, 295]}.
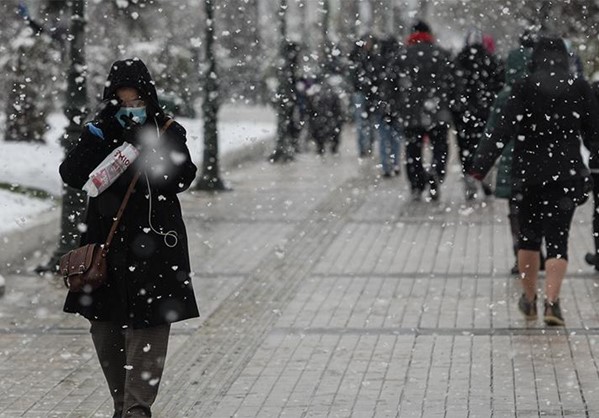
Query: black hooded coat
{"type": "Point", "coordinates": [546, 115]}
{"type": "Point", "coordinates": [149, 282]}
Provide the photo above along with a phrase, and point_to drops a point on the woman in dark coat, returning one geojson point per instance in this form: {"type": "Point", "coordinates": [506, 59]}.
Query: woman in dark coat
{"type": "Point", "coordinates": [546, 115]}
{"type": "Point", "coordinates": [149, 285]}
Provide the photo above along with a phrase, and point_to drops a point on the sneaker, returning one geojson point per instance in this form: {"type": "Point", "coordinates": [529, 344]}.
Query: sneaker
{"type": "Point", "coordinates": [433, 187]}
{"type": "Point", "coordinates": [397, 170]}
{"type": "Point", "coordinates": [528, 309]}
{"type": "Point", "coordinates": [553, 314]}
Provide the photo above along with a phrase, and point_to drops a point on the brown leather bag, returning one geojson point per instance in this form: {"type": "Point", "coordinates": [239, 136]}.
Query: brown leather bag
{"type": "Point", "coordinates": [84, 269]}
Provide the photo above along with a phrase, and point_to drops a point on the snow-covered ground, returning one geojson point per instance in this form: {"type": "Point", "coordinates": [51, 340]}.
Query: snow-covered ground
{"type": "Point", "coordinates": [36, 166]}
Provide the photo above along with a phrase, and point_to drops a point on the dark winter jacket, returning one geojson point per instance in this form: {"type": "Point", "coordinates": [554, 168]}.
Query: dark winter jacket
{"type": "Point", "coordinates": [478, 78]}
{"type": "Point", "coordinates": [149, 282]}
{"type": "Point", "coordinates": [545, 115]}
{"type": "Point", "coordinates": [594, 159]}
{"type": "Point", "coordinates": [388, 70]}
{"type": "Point", "coordinates": [426, 83]}
{"type": "Point", "coordinates": [517, 64]}
{"type": "Point", "coordinates": [362, 71]}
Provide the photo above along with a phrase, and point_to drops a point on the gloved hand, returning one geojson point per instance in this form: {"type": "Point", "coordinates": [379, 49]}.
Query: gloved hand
{"type": "Point", "coordinates": [108, 109]}
{"type": "Point", "coordinates": [131, 132]}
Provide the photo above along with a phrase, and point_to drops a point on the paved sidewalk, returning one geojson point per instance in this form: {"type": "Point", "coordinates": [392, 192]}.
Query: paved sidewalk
{"type": "Point", "coordinates": [326, 293]}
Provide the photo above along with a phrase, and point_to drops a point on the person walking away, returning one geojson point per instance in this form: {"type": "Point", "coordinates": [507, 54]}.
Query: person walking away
{"type": "Point", "coordinates": [545, 116]}
{"type": "Point", "coordinates": [325, 117]}
{"type": "Point", "coordinates": [361, 76]}
{"type": "Point", "coordinates": [477, 80]}
{"type": "Point", "coordinates": [149, 284]}
{"type": "Point", "coordinates": [425, 85]}
{"type": "Point", "coordinates": [593, 258]}
{"type": "Point", "coordinates": [386, 113]}
{"type": "Point", "coordinates": [517, 64]}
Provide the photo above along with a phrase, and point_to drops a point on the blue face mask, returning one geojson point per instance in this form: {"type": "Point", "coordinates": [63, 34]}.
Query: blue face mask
{"type": "Point", "coordinates": [138, 114]}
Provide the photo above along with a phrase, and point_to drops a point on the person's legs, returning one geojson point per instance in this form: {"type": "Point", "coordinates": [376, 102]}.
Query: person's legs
{"type": "Point", "coordinates": [559, 211]}
{"type": "Point", "coordinates": [385, 139]}
{"type": "Point", "coordinates": [414, 169]}
{"type": "Point", "coordinates": [530, 217]}
{"type": "Point", "coordinates": [513, 209]}
{"type": "Point", "coordinates": [528, 265]}
{"type": "Point", "coordinates": [438, 138]}
{"type": "Point", "coordinates": [146, 354]}
{"type": "Point", "coordinates": [555, 271]}
{"type": "Point", "coordinates": [595, 260]}
{"type": "Point", "coordinates": [395, 145]}
{"type": "Point", "coordinates": [361, 119]}
{"type": "Point", "coordinates": [109, 342]}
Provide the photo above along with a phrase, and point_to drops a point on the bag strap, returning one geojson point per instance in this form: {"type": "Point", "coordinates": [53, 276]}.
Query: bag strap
{"type": "Point", "coordinates": [119, 214]}
{"type": "Point", "coordinates": [166, 125]}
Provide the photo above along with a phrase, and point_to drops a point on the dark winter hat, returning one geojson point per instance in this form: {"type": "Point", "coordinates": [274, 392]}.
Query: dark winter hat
{"type": "Point", "coordinates": [421, 26]}
{"type": "Point", "coordinates": [132, 72]}
{"type": "Point", "coordinates": [550, 52]}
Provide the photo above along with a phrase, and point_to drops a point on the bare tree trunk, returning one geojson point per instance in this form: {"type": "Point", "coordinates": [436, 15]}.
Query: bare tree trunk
{"type": "Point", "coordinates": [73, 201]}
{"type": "Point", "coordinates": [210, 176]}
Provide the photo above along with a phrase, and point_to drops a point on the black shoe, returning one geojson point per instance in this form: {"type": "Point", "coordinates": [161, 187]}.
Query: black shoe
{"type": "Point", "coordinates": [433, 187]}
{"type": "Point", "coordinates": [397, 170]}
{"type": "Point", "coordinates": [386, 174]}
{"type": "Point", "coordinates": [528, 309]}
{"type": "Point", "coordinates": [553, 314]}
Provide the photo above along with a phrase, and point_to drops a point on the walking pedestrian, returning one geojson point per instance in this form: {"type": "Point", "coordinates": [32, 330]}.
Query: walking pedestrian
{"type": "Point", "coordinates": [325, 117]}
{"type": "Point", "coordinates": [517, 67]}
{"type": "Point", "coordinates": [545, 116]}
{"type": "Point", "coordinates": [361, 74]}
{"type": "Point", "coordinates": [478, 77]}
{"type": "Point", "coordinates": [149, 284]}
{"type": "Point", "coordinates": [593, 258]}
{"type": "Point", "coordinates": [425, 87]}
{"type": "Point", "coordinates": [387, 103]}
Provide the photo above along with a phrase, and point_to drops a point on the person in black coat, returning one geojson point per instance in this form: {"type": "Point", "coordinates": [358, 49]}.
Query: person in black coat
{"type": "Point", "coordinates": [478, 78]}
{"type": "Point", "coordinates": [149, 284]}
{"type": "Point", "coordinates": [593, 258]}
{"type": "Point", "coordinates": [325, 116]}
{"type": "Point", "coordinates": [362, 78]}
{"type": "Point", "coordinates": [545, 116]}
{"type": "Point", "coordinates": [426, 83]}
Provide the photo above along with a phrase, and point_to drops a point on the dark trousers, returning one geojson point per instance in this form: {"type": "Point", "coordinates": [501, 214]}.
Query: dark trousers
{"type": "Point", "coordinates": [132, 361]}
{"type": "Point", "coordinates": [414, 143]}
{"type": "Point", "coordinates": [595, 213]}
{"type": "Point", "coordinates": [546, 212]}
{"type": "Point", "coordinates": [470, 130]}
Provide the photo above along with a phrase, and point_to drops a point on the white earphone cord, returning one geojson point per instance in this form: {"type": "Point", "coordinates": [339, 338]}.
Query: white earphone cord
{"type": "Point", "coordinates": [171, 233]}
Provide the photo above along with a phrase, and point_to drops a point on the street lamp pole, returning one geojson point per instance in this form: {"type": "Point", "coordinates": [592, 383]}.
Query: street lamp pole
{"type": "Point", "coordinates": [210, 177]}
{"type": "Point", "coordinates": [73, 201]}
